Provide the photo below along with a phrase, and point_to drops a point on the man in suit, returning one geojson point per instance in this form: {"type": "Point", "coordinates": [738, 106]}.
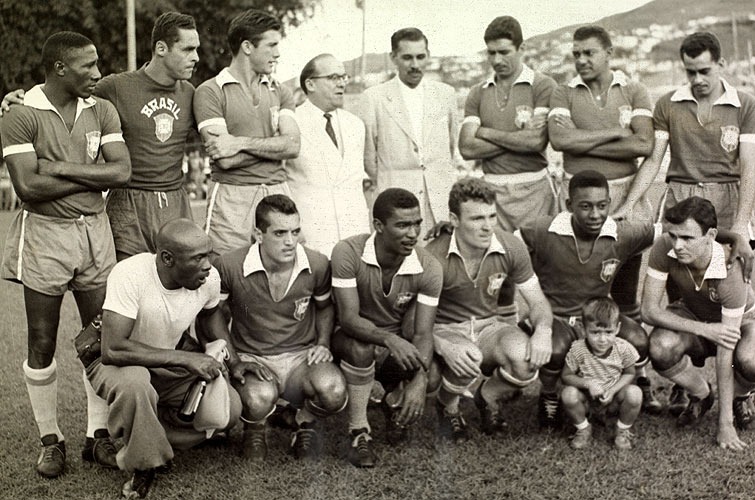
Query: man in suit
{"type": "Point", "coordinates": [412, 129]}
{"type": "Point", "coordinates": [326, 179]}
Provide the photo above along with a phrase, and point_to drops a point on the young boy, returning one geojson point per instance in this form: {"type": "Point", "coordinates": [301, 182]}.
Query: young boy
{"type": "Point", "coordinates": [600, 368]}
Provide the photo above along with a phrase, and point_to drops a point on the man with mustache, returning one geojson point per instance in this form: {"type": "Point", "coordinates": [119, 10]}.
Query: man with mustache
{"type": "Point", "coordinates": [411, 127]}
{"type": "Point", "coordinates": [505, 128]}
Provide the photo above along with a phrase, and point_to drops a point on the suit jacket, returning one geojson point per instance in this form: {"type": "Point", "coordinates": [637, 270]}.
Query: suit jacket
{"type": "Point", "coordinates": [394, 157]}
{"type": "Point", "coordinates": [327, 186]}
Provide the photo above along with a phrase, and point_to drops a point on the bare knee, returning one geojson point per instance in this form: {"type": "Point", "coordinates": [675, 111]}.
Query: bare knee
{"type": "Point", "coordinates": [330, 389]}
{"type": "Point", "coordinates": [571, 396]}
{"type": "Point", "coordinates": [631, 396]}
{"type": "Point", "coordinates": [666, 349]}
{"type": "Point", "coordinates": [257, 399]}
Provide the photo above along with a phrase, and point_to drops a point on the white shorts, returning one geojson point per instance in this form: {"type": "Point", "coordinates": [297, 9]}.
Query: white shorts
{"type": "Point", "coordinates": [280, 364]}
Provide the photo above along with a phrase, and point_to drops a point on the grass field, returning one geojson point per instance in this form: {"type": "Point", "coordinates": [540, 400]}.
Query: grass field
{"type": "Point", "coordinates": [521, 463]}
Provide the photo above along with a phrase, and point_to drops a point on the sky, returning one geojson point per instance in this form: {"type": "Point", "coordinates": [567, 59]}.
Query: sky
{"type": "Point", "coordinates": [453, 27]}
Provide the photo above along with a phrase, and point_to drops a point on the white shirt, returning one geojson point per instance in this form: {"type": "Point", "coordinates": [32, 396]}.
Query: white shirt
{"type": "Point", "coordinates": [414, 101]}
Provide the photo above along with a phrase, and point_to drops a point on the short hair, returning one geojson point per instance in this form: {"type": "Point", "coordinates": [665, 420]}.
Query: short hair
{"type": "Point", "coordinates": [408, 34]}
{"type": "Point", "coordinates": [279, 203]}
{"type": "Point", "coordinates": [469, 188]}
{"type": "Point", "coordinates": [167, 26]}
{"type": "Point", "coordinates": [697, 43]}
{"type": "Point", "coordinates": [309, 70]}
{"type": "Point", "coordinates": [587, 179]}
{"type": "Point", "coordinates": [698, 209]}
{"type": "Point", "coordinates": [391, 199]}
{"type": "Point", "coordinates": [250, 25]}
{"type": "Point", "coordinates": [504, 27]}
{"type": "Point", "coordinates": [602, 311]}
{"type": "Point", "coordinates": [58, 47]}
{"type": "Point", "coordinates": [593, 31]}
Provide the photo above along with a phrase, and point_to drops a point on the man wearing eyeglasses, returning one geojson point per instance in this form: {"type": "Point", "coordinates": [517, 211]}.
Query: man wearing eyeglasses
{"type": "Point", "coordinates": [326, 178]}
{"type": "Point", "coordinates": [412, 129]}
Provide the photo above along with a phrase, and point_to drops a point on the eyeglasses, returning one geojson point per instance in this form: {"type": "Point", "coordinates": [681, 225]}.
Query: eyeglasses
{"type": "Point", "coordinates": [334, 78]}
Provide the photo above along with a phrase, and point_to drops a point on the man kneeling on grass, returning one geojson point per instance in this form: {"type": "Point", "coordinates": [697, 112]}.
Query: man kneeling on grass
{"type": "Point", "coordinates": [148, 364]}
{"type": "Point", "coordinates": [599, 370]}
{"type": "Point", "coordinates": [714, 316]}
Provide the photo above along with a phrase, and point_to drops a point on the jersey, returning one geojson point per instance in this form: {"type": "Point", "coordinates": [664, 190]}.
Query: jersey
{"type": "Point", "coordinates": [530, 94]}
{"type": "Point", "coordinates": [223, 101]}
{"type": "Point", "coordinates": [419, 279]}
{"type": "Point", "coordinates": [722, 291]}
{"type": "Point", "coordinates": [705, 151]}
{"type": "Point", "coordinates": [605, 370]}
{"type": "Point", "coordinates": [625, 100]}
{"type": "Point", "coordinates": [504, 266]}
{"type": "Point", "coordinates": [134, 290]}
{"type": "Point", "coordinates": [37, 127]}
{"type": "Point", "coordinates": [156, 121]}
{"type": "Point", "coordinates": [567, 280]}
{"type": "Point", "coordinates": [261, 325]}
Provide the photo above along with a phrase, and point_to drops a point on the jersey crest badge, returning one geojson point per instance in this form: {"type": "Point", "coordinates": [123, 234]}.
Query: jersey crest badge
{"type": "Point", "coordinates": [523, 115]}
{"type": "Point", "coordinates": [163, 126]}
{"type": "Point", "coordinates": [713, 293]}
{"type": "Point", "coordinates": [625, 116]}
{"type": "Point", "coordinates": [729, 138]}
{"type": "Point", "coordinates": [403, 300]}
{"type": "Point", "coordinates": [274, 117]}
{"type": "Point", "coordinates": [495, 281]}
{"type": "Point", "coordinates": [301, 308]}
{"type": "Point", "coordinates": [93, 143]}
{"type": "Point", "coordinates": [608, 269]}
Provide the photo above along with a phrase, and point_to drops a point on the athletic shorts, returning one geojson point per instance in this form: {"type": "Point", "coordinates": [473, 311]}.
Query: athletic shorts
{"type": "Point", "coordinates": [136, 216]}
{"type": "Point", "coordinates": [280, 364]}
{"type": "Point", "coordinates": [523, 198]}
{"type": "Point", "coordinates": [453, 334]}
{"type": "Point", "coordinates": [52, 254]}
{"type": "Point", "coordinates": [618, 189]}
{"type": "Point", "coordinates": [230, 213]}
{"type": "Point", "coordinates": [723, 195]}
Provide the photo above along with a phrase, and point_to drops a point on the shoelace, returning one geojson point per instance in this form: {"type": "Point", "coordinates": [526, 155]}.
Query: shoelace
{"type": "Point", "coordinates": [257, 439]}
{"type": "Point", "coordinates": [457, 423]}
{"type": "Point", "coordinates": [48, 453]}
{"type": "Point", "coordinates": [360, 442]}
{"type": "Point", "coordinates": [106, 443]}
{"type": "Point", "coordinates": [551, 408]}
{"type": "Point", "coordinates": [743, 410]}
{"type": "Point", "coordinates": [303, 437]}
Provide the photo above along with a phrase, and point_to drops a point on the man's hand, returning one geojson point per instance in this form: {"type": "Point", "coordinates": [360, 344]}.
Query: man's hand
{"type": "Point", "coordinates": [463, 362]}
{"type": "Point", "coordinates": [539, 348]}
{"type": "Point", "coordinates": [741, 250]}
{"type": "Point", "coordinates": [413, 400]}
{"type": "Point", "coordinates": [222, 146]}
{"type": "Point", "coordinates": [595, 389]}
{"type": "Point", "coordinates": [728, 439]}
{"type": "Point", "coordinates": [723, 335]}
{"type": "Point", "coordinates": [318, 354]}
{"type": "Point", "coordinates": [405, 353]}
{"type": "Point", "coordinates": [204, 366]}
{"type": "Point", "coordinates": [537, 121]}
{"type": "Point", "coordinates": [564, 121]}
{"type": "Point", "coordinates": [241, 368]}
{"type": "Point", "coordinates": [11, 98]}
{"type": "Point", "coordinates": [438, 229]}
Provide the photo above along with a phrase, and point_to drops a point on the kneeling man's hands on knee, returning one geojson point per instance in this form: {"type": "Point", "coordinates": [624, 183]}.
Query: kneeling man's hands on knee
{"type": "Point", "coordinates": [463, 362]}
{"type": "Point", "coordinates": [405, 353]}
{"type": "Point", "coordinates": [726, 336]}
{"type": "Point", "coordinates": [319, 354]}
{"type": "Point", "coordinates": [240, 368]}
{"type": "Point", "coordinates": [539, 349]}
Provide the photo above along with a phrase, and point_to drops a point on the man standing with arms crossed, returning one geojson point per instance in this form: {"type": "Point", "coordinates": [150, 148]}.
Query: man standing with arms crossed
{"type": "Point", "coordinates": [412, 129]}
{"type": "Point", "coordinates": [247, 123]}
{"type": "Point", "coordinates": [505, 127]}
{"type": "Point", "coordinates": [61, 238]}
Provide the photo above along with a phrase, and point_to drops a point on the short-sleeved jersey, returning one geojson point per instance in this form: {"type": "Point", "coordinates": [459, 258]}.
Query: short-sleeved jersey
{"type": "Point", "coordinates": [625, 100]}
{"type": "Point", "coordinates": [418, 279]}
{"type": "Point", "coordinates": [261, 325]}
{"type": "Point", "coordinates": [530, 95]}
{"type": "Point", "coordinates": [37, 127]}
{"type": "Point", "coordinates": [705, 149]}
{"type": "Point", "coordinates": [722, 291]}
{"type": "Point", "coordinates": [565, 279]}
{"type": "Point", "coordinates": [504, 266]}
{"type": "Point", "coordinates": [223, 101]}
{"type": "Point", "coordinates": [156, 121]}
{"type": "Point", "coordinates": [134, 290]}
{"type": "Point", "coordinates": [606, 370]}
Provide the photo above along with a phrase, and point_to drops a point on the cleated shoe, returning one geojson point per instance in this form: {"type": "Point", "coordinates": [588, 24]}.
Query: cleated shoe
{"type": "Point", "coordinates": [547, 411]}
{"type": "Point", "coordinates": [744, 412]}
{"type": "Point", "coordinates": [678, 401]}
{"type": "Point", "coordinates": [100, 450]}
{"type": "Point", "coordinates": [139, 484]}
{"type": "Point", "coordinates": [623, 439]}
{"type": "Point", "coordinates": [582, 438]}
{"type": "Point", "coordinates": [360, 451]}
{"type": "Point", "coordinates": [395, 433]}
{"type": "Point", "coordinates": [696, 409]}
{"type": "Point", "coordinates": [305, 442]}
{"type": "Point", "coordinates": [491, 420]}
{"type": "Point", "coordinates": [650, 404]}
{"type": "Point", "coordinates": [52, 459]}
{"type": "Point", "coordinates": [451, 425]}
{"type": "Point", "coordinates": [254, 442]}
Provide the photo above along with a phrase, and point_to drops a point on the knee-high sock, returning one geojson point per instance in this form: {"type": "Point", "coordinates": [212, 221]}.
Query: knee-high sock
{"type": "Point", "coordinates": [96, 409]}
{"type": "Point", "coordinates": [42, 386]}
{"type": "Point", "coordinates": [449, 393]}
{"type": "Point", "coordinates": [501, 386]}
{"type": "Point", "coordinates": [687, 376]}
{"type": "Point", "coordinates": [359, 384]}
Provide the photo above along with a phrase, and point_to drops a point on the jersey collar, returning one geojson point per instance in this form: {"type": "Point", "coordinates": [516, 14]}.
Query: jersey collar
{"type": "Point", "coordinates": [717, 268]}
{"type": "Point", "coordinates": [495, 246]}
{"type": "Point", "coordinates": [561, 225]}
{"type": "Point", "coordinates": [618, 78]}
{"type": "Point", "coordinates": [225, 77]}
{"type": "Point", "coordinates": [730, 95]}
{"type": "Point", "coordinates": [37, 99]}
{"type": "Point", "coordinates": [410, 265]}
{"type": "Point", "coordinates": [253, 261]}
{"type": "Point", "coordinates": [527, 75]}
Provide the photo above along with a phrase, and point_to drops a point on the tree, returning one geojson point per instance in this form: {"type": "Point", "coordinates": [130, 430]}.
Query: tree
{"type": "Point", "coordinates": [26, 24]}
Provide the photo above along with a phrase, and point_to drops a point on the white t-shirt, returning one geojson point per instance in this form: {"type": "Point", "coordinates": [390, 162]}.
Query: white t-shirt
{"type": "Point", "coordinates": [134, 290]}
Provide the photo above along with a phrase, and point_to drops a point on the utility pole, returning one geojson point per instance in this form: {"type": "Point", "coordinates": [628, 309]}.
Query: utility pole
{"type": "Point", "coordinates": [131, 34]}
{"type": "Point", "coordinates": [735, 35]}
{"type": "Point", "coordinates": [363, 66]}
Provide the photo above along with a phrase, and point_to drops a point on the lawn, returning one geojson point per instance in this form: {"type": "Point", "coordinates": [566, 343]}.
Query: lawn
{"type": "Point", "coordinates": [521, 463]}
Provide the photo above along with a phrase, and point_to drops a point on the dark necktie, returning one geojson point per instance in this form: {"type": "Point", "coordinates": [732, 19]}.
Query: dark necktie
{"type": "Point", "coordinates": [329, 129]}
